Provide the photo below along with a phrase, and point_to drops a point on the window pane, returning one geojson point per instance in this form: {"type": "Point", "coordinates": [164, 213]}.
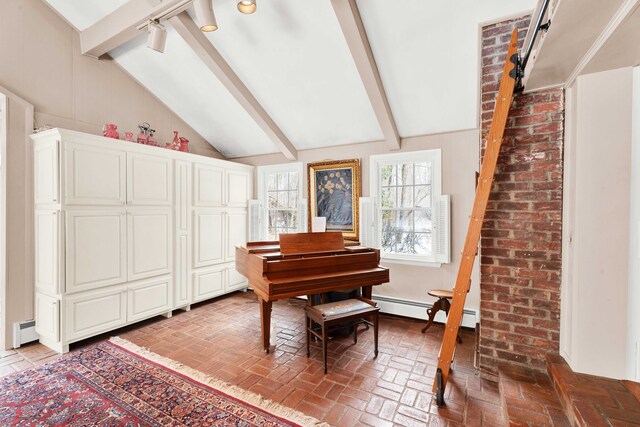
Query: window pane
{"type": "Point", "coordinates": [388, 197]}
{"type": "Point", "coordinates": [423, 196]}
{"type": "Point", "coordinates": [405, 197]}
{"type": "Point", "coordinates": [283, 181]}
{"type": "Point", "coordinates": [273, 199]}
{"type": "Point", "coordinates": [388, 175]}
{"type": "Point", "coordinates": [272, 181]}
{"type": "Point", "coordinates": [405, 174]}
{"type": "Point", "coordinates": [293, 199]}
{"type": "Point", "coordinates": [293, 180]}
{"type": "Point", "coordinates": [422, 221]}
{"type": "Point", "coordinates": [422, 244]}
{"type": "Point", "coordinates": [283, 199]}
{"type": "Point", "coordinates": [422, 173]}
{"type": "Point", "coordinates": [397, 221]}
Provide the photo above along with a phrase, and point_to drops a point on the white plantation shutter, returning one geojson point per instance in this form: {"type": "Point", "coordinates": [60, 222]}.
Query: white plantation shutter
{"type": "Point", "coordinates": [302, 216]}
{"type": "Point", "coordinates": [256, 220]}
{"type": "Point", "coordinates": [441, 235]}
{"type": "Point", "coordinates": [368, 232]}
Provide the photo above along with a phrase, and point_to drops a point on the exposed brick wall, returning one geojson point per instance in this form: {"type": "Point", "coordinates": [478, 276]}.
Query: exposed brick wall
{"type": "Point", "coordinates": [521, 235]}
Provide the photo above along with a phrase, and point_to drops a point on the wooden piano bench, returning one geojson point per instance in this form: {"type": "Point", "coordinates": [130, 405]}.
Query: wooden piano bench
{"type": "Point", "coordinates": [327, 316]}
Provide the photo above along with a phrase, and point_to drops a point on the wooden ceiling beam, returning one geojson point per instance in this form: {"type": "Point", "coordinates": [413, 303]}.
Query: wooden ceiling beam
{"type": "Point", "coordinates": [200, 44]}
{"type": "Point", "coordinates": [122, 24]}
{"type": "Point", "coordinates": [356, 37]}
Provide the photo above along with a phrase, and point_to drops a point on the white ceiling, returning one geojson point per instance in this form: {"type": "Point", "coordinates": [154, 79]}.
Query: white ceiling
{"type": "Point", "coordinates": [295, 61]}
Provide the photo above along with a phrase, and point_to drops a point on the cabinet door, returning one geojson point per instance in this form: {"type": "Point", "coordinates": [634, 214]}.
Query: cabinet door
{"type": "Point", "coordinates": [94, 176]}
{"type": "Point", "coordinates": [208, 237]}
{"type": "Point", "coordinates": [89, 315]}
{"type": "Point", "coordinates": [182, 294]}
{"type": "Point", "coordinates": [149, 180]}
{"type": "Point", "coordinates": [234, 280]}
{"type": "Point", "coordinates": [239, 185]}
{"type": "Point", "coordinates": [46, 169]}
{"type": "Point", "coordinates": [149, 243]}
{"type": "Point", "coordinates": [96, 251]}
{"type": "Point", "coordinates": [47, 313]}
{"type": "Point", "coordinates": [148, 298]}
{"type": "Point", "coordinates": [208, 185]}
{"type": "Point", "coordinates": [47, 250]}
{"type": "Point", "coordinates": [208, 283]}
{"type": "Point", "coordinates": [236, 225]}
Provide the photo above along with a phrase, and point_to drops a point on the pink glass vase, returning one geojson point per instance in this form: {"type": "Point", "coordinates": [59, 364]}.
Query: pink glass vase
{"type": "Point", "coordinates": [184, 144]}
{"type": "Point", "coordinates": [110, 130]}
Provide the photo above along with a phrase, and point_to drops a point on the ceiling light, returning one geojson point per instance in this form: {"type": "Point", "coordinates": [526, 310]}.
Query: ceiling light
{"type": "Point", "coordinates": [157, 36]}
{"type": "Point", "coordinates": [204, 15]}
{"type": "Point", "coordinates": [247, 6]}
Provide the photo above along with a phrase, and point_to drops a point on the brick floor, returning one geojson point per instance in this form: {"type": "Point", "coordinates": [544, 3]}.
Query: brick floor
{"type": "Point", "coordinates": [594, 401]}
{"type": "Point", "coordinates": [221, 338]}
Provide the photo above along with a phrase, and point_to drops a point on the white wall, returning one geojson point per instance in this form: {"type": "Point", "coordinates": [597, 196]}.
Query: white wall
{"type": "Point", "coordinates": [459, 163]}
{"type": "Point", "coordinates": [633, 346]}
{"type": "Point", "coordinates": [41, 62]}
{"type": "Point", "coordinates": [597, 206]}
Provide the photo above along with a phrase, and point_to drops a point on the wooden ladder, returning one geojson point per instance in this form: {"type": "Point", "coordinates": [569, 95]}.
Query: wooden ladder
{"type": "Point", "coordinates": [470, 250]}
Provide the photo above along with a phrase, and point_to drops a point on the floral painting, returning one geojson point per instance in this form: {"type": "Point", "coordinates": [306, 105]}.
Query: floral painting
{"type": "Point", "coordinates": [334, 190]}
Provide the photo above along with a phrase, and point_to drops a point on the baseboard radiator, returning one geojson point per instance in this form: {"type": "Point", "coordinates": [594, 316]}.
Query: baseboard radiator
{"type": "Point", "coordinates": [24, 332]}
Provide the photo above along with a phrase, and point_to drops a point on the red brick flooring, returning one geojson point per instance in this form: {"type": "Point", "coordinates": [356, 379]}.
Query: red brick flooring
{"type": "Point", "coordinates": [221, 338]}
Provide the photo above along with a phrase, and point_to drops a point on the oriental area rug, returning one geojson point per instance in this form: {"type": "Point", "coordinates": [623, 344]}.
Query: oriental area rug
{"type": "Point", "coordinates": [116, 383]}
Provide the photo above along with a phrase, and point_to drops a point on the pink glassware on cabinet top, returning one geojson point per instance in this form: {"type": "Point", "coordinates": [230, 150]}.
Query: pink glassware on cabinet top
{"type": "Point", "coordinates": [184, 144]}
{"type": "Point", "coordinates": [110, 131]}
{"type": "Point", "coordinates": [128, 136]}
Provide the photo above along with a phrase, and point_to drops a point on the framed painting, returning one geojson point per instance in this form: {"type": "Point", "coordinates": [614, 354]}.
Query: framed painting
{"type": "Point", "coordinates": [334, 192]}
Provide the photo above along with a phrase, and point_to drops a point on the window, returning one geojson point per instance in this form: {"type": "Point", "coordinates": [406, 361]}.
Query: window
{"type": "Point", "coordinates": [281, 202]}
{"type": "Point", "coordinates": [412, 215]}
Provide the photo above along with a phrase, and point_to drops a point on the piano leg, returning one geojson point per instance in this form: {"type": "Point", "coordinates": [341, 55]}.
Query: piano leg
{"type": "Point", "coordinates": [366, 292]}
{"type": "Point", "coordinates": [265, 320]}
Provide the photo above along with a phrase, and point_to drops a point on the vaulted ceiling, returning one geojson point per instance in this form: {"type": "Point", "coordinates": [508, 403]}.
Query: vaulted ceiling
{"type": "Point", "coordinates": [304, 70]}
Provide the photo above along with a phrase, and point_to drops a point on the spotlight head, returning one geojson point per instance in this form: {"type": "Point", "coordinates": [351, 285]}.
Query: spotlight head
{"type": "Point", "coordinates": [157, 36]}
{"type": "Point", "coordinates": [204, 15]}
{"type": "Point", "coordinates": [247, 6]}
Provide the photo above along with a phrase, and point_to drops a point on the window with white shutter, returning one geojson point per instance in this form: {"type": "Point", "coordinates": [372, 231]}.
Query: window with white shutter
{"type": "Point", "coordinates": [409, 217]}
{"type": "Point", "coordinates": [282, 208]}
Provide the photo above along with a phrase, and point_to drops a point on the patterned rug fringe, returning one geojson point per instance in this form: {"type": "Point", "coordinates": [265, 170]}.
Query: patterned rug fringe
{"type": "Point", "coordinates": [230, 389]}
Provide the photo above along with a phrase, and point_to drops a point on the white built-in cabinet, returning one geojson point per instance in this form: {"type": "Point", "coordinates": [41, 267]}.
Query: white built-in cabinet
{"type": "Point", "coordinates": [124, 232]}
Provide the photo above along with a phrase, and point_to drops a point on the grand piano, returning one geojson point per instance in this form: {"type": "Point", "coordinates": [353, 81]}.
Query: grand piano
{"type": "Point", "coordinates": [306, 264]}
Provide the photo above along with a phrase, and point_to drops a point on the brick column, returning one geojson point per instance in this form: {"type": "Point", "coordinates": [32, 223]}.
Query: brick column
{"type": "Point", "coordinates": [521, 236]}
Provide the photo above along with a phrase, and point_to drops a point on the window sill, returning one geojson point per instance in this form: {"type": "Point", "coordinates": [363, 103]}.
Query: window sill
{"type": "Point", "coordinates": [420, 263]}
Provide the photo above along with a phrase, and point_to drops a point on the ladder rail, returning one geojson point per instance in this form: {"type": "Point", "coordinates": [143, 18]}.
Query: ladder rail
{"type": "Point", "coordinates": [483, 189]}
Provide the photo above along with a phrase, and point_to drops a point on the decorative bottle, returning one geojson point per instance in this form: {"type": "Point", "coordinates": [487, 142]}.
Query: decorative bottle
{"type": "Point", "coordinates": [184, 144]}
{"type": "Point", "coordinates": [142, 136]}
{"type": "Point", "coordinates": [176, 141]}
{"type": "Point", "coordinates": [110, 131]}
{"type": "Point", "coordinates": [152, 139]}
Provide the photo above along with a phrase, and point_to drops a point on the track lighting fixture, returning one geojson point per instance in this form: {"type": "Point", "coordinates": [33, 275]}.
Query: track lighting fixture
{"type": "Point", "coordinates": [247, 6]}
{"type": "Point", "coordinates": [157, 36]}
{"type": "Point", "coordinates": [204, 15]}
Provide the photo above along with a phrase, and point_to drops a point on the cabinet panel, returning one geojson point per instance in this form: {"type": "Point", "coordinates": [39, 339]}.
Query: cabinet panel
{"type": "Point", "coordinates": [47, 240]}
{"type": "Point", "coordinates": [148, 298]}
{"type": "Point", "coordinates": [47, 317]}
{"type": "Point", "coordinates": [149, 243]}
{"type": "Point", "coordinates": [149, 180]}
{"type": "Point", "coordinates": [207, 185]}
{"type": "Point", "coordinates": [236, 233]}
{"type": "Point", "coordinates": [208, 283]}
{"type": "Point", "coordinates": [208, 238]}
{"type": "Point", "coordinates": [234, 280]}
{"type": "Point", "coordinates": [95, 249]}
{"type": "Point", "coordinates": [183, 196]}
{"type": "Point", "coordinates": [182, 294]}
{"type": "Point", "coordinates": [238, 188]}
{"type": "Point", "coordinates": [46, 179]}
{"type": "Point", "coordinates": [89, 315]}
{"type": "Point", "coordinates": [94, 176]}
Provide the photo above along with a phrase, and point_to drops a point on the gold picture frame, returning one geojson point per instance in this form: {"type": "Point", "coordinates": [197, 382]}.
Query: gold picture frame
{"type": "Point", "coordinates": [334, 192]}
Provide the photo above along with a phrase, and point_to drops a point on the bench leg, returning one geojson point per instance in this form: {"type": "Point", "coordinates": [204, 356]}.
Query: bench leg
{"type": "Point", "coordinates": [308, 326]}
{"type": "Point", "coordinates": [355, 333]}
{"type": "Point", "coordinates": [324, 346]}
{"type": "Point", "coordinates": [375, 334]}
